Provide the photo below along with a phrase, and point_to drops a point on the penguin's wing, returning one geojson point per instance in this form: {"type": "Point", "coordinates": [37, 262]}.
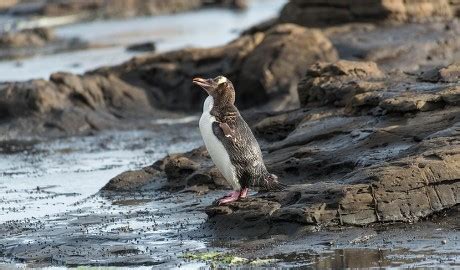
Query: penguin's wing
{"type": "Point", "coordinates": [224, 133]}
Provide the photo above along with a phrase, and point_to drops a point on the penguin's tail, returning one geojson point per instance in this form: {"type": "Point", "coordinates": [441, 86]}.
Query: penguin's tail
{"type": "Point", "coordinates": [271, 183]}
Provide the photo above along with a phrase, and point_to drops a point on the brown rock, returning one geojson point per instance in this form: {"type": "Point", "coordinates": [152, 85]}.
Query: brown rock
{"type": "Point", "coordinates": [117, 8]}
{"type": "Point", "coordinates": [244, 61]}
{"type": "Point", "coordinates": [36, 37]}
{"type": "Point", "coordinates": [361, 169]}
{"type": "Point", "coordinates": [337, 83]}
{"type": "Point", "coordinates": [132, 181]}
{"type": "Point", "coordinates": [322, 12]}
{"type": "Point", "coordinates": [450, 73]}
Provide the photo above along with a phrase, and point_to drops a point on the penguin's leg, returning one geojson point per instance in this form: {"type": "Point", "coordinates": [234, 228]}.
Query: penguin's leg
{"type": "Point", "coordinates": [244, 192]}
{"type": "Point", "coordinates": [233, 196]}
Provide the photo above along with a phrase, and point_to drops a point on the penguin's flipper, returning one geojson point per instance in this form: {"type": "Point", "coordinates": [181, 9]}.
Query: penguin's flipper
{"type": "Point", "coordinates": [228, 132]}
{"type": "Point", "coordinates": [223, 132]}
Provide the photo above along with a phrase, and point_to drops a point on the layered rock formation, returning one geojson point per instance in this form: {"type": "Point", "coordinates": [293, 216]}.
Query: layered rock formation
{"type": "Point", "coordinates": [264, 67]}
{"type": "Point", "coordinates": [364, 147]}
{"type": "Point", "coordinates": [114, 8]}
{"type": "Point", "coordinates": [322, 13]}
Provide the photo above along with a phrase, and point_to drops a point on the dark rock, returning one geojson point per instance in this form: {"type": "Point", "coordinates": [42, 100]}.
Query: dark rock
{"type": "Point", "coordinates": [244, 61]}
{"type": "Point", "coordinates": [348, 167]}
{"type": "Point", "coordinates": [164, 81]}
{"type": "Point", "coordinates": [132, 181]}
{"type": "Point", "coordinates": [352, 169]}
{"type": "Point", "coordinates": [69, 104]}
{"type": "Point", "coordinates": [142, 47]}
{"type": "Point", "coordinates": [192, 171]}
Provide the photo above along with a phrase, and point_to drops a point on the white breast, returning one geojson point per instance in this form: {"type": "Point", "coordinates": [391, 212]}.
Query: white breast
{"type": "Point", "coordinates": [215, 148]}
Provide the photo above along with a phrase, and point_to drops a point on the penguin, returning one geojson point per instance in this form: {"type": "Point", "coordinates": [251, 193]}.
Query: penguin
{"type": "Point", "coordinates": [230, 142]}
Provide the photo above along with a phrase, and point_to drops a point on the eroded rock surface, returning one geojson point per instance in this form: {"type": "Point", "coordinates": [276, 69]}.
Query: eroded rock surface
{"type": "Point", "coordinates": [322, 13]}
{"type": "Point", "coordinates": [388, 151]}
{"type": "Point", "coordinates": [114, 8]}
{"type": "Point", "coordinates": [264, 67]}
{"type": "Point", "coordinates": [365, 147]}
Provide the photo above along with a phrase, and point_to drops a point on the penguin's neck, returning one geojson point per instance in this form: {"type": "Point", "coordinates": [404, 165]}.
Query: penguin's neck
{"type": "Point", "coordinates": [216, 109]}
{"type": "Point", "coordinates": [208, 104]}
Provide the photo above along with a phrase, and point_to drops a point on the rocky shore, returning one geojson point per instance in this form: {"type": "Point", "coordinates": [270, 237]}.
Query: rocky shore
{"type": "Point", "coordinates": [68, 104]}
{"type": "Point", "coordinates": [360, 118]}
{"type": "Point", "coordinates": [115, 8]}
{"type": "Point", "coordinates": [373, 141]}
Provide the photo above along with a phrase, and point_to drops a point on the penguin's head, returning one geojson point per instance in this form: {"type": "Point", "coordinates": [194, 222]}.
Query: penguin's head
{"type": "Point", "coordinates": [220, 88]}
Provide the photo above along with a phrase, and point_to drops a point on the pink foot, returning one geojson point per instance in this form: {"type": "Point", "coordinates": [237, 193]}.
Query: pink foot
{"type": "Point", "coordinates": [233, 196]}
{"type": "Point", "coordinates": [244, 193]}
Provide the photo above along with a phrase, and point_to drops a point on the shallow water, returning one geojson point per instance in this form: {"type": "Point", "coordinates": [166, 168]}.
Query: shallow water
{"type": "Point", "coordinates": [201, 28]}
{"type": "Point", "coordinates": [49, 177]}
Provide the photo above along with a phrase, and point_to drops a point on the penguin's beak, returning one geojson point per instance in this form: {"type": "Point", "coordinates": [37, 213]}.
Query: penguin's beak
{"type": "Point", "coordinates": [203, 83]}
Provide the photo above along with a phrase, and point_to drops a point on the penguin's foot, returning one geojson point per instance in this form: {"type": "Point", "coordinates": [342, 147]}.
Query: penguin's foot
{"type": "Point", "coordinates": [244, 193]}
{"type": "Point", "coordinates": [233, 196]}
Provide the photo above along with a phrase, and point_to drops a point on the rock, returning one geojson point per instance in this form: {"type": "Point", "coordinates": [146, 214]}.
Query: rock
{"type": "Point", "coordinates": [337, 83]}
{"type": "Point", "coordinates": [116, 8]}
{"type": "Point", "coordinates": [244, 61]}
{"type": "Point", "coordinates": [455, 4]}
{"type": "Point", "coordinates": [36, 37]}
{"type": "Point", "coordinates": [142, 47]}
{"type": "Point", "coordinates": [359, 169]}
{"type": "Point", "coordinates": [235, 4]}
{"type": "Point", "coordinates": [395, 159]}
{"type": "Point", "coordinates": [322, 13]}
{"type": "Point", "coordinates": [146, 82]}
{"type": "Point", "coordinates": [274, 76]}
{"type": "Point", "coordinates": [450, 73]}
{"type": "Point", "coordinates": [133, 181]}
{"type": "Point", "coordinates": [367, 88]}
{"type": "Point", "coordinates": [68, 104]}
{"type": "Point", "coordinates": [410, 47]}
{"type": "Point", "coordinates": [192, 171]}
{"type": "Point", "coordinates": [7, 4]}
{"type": "Point", "coordinates": [29, 42]}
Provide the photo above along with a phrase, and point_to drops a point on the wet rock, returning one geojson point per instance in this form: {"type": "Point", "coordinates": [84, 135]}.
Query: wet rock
{"type": "Point", "coordinates": [321, 13]}
{"type": "Point", "coordinates": [411, 47]}
{"type": "Point", "coordinates": [450, 73]}
{"type": "Point", "coordinates": [133, 181]}
{"type": "Point", "coordinates": [244, 61]}
{"type": "Point", "coordinates": [235, 4]}
{"type": "Point", "coordinates": [68, 103]}
{"type": "Point", "coordinates": [138, 86]}
{"type": "Point", "coordinates": [33, 41]}
{"type": "Point", "coordinates": [116, 8]}
{"type": "Point", "coordinates": [192, 171]}
{"type": "Point", "coordinates": [142, 47]}
{"type": "Point", "coordinates": [349, 168]}
{"type": "Point", "coordinates": [280, 73]}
